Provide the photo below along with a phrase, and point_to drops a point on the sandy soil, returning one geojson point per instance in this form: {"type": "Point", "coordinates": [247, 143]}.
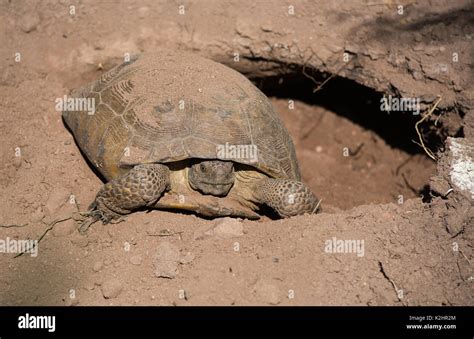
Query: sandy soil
{"type": "Point", "coordinates": [386, 194]}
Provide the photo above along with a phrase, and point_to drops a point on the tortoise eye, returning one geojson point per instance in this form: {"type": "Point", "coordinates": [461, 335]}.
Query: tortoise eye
{"type": "Point", "coordinates": [202, 167]}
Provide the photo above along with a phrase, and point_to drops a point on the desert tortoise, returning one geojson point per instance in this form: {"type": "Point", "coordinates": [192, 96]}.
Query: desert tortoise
{"type": "Point", "coordinates": [172, 130]}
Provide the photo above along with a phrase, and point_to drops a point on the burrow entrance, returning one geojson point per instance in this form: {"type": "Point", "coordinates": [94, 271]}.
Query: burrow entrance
{"type": "Point", "coordinates": [350, 151]}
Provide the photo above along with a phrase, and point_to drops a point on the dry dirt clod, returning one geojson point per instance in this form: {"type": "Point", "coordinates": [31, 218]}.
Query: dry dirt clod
{"type": "Point", "coordinates": [29, 22]}
{"type": "Point", "coordinates": [135, 260]}
{"type": "Point", "coordinates": [97, 266]}
{"type": "Point", "coordinates": [65, 228]}
{"type": "Point", "coordinates": [17, 161]}
{"type": "Point", "coordinates": [267, 292]}
{"type": "Point", "coordinates": [439, 185]}
{"type": "Point", "coordinates": [56, 199]}
{"type": "Point", "coordinates": [187, 258]}
{"type": "Point", "coordinates": [166, 260]}
{"type": "Point", "coordinates": [37, 215]}
{"type": "Point", "coordinates": [111, 288]}
{"type": "Point", "coordinates": [227, 228]}
{"type": "Point", "coordinates": [89, 286]}
{"type": "Point", "coordinates": [80, 241]}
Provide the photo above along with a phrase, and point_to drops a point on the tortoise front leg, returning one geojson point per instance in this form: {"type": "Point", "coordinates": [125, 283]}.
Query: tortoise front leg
{"type": "Point", "coordinates": [287, 197]}
{"type": "Point", "coordinates": [206, 206]}
{"type": "Point", "coordinates": [142, 186]}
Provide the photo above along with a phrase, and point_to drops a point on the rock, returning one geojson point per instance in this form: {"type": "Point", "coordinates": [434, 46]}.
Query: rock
{"type": "Point", "coordinates": [111, 288]}
{"type": "Point", "coordinates": [135, 260]}
{"type": "Point", "coordinates": [98, 266]}
{"type": "Point", "coordinates": [436, 71]}
{"type": "Point", "coordinates": [166, 260]}
{"type": "Point", "coordinates": [461, 151]}
{"type": "Point", "coordinates": [267, 292]}
{"type": "Point", "coordinates": [227, 228]}
{"type": "Point", "coordinates": [29, 22]}
{"type": "Point", "coordinates": [57, 198]}
{"type": "Point", "coordinates": [64, 228]}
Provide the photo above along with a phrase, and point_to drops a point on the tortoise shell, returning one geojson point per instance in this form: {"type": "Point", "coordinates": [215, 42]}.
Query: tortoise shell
{"type": "Point", "coordinates": [170, 106]}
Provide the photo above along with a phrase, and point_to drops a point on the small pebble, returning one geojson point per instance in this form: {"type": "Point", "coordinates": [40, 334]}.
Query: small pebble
{"type": "Point", "coordinates": [227, 228]}
{"type": "Point", "coordinates": [166, 260]}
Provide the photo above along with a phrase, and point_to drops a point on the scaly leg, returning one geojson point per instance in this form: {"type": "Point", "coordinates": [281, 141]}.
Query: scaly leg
{"type": "Point", "coordinates": [142, 186]}
{"type": "Point", "coordinates": [287, 197]}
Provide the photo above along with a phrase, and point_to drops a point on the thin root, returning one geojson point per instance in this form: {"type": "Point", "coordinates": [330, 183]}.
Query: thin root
{"type": "Point", "coordinates": [427, 115]}
{"type": "Point", "coordinates": [320, 86]}
{"type": "Point", "coordinates": [465, 256]}
{"type": "Point", "coordinates": [13, 225]}
{"type": "Point", "coordinates": [317, 206]}
{"type": "Point", "coordinates": [391, 281]}
{"type": "Point", "coordinates": [49, 228]}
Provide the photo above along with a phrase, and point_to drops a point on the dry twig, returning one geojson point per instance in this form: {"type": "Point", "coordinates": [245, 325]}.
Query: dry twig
{"type": "Point", "coordinates": [427, 115]}
{"type": "Point", "coordinates": [391, 281]}
{"type": "Point", "coordinates": [13, 225]}
{"type": "Point", "coordinates": [49, 228]}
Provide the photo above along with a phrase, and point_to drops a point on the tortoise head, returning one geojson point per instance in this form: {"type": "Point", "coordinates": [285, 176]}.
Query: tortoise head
{"type": "Point", "coordinates": [212, 177]}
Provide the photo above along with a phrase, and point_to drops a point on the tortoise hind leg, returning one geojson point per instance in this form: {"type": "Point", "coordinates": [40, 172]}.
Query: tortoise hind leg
{"type": "Point", "coordinates": [142, 186]}
{"type": "Point", "coordinates": [287, 197]}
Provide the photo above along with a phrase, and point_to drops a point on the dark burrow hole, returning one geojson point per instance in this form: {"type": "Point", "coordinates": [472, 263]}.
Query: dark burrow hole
{"type": "Point", "coordinates": [385, 162]}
